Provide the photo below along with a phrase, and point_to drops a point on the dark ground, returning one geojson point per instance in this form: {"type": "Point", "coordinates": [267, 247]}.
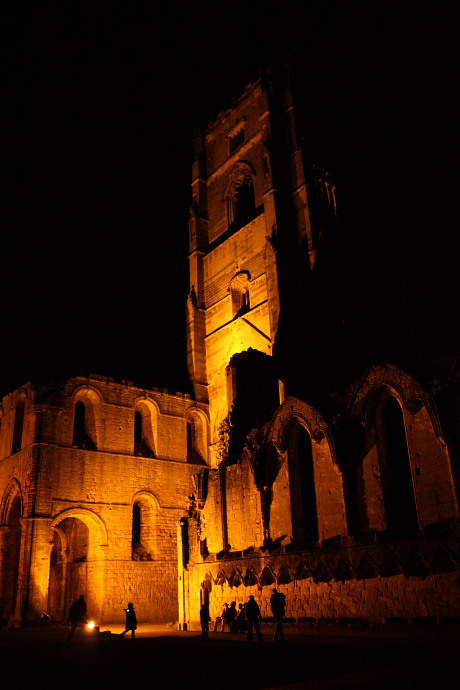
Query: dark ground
{"type": "Point", "coordinates": [161, 658]}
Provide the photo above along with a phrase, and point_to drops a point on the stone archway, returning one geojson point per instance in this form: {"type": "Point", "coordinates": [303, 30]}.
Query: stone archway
{"type": "Point", "coordinates": [77, 562]}
{"type": "Point", "coordinates": [295, 419]}
{"type": "Point", "coordinates": [10, 533]}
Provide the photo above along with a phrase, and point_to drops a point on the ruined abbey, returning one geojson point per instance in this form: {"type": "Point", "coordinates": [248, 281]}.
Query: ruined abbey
{"type": "Point", "coordinates": [316, 454]}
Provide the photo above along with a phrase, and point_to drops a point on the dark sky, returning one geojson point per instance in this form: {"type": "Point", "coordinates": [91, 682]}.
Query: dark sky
{"type": "Point", "coordinates": [101, 102]}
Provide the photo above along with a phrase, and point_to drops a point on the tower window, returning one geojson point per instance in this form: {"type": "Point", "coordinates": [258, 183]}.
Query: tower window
{"type": "Point", "coordinates": [241, 205]}
{"type": "Point", "coordinates": [81, 437]}
{"type": "Point", "coordinates": [18, 426]}
{"type": "Point", "coordinates": [239, 290]}
{"type": "Point", "coordinates": [235, 139]}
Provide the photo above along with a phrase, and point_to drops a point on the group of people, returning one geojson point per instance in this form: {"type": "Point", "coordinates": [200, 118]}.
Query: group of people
{"type": "Point", "coordinates": [244, 619]}
{"type": "Point", "coordinates": [232, 618]}
{"type": "Point", "coordinates": [247, 617]}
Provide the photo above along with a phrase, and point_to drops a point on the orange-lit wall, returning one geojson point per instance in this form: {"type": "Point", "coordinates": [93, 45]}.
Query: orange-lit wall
{"type": "Point", "coordinates": [60, 482]}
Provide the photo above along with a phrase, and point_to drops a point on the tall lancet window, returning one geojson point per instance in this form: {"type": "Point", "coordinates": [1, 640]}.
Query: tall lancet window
{"type": "Point", "coordinates": [241, 206]}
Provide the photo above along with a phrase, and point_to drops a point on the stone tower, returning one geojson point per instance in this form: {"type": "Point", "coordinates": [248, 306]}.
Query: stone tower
{"type": "Point", "coordinates": [250, 199]}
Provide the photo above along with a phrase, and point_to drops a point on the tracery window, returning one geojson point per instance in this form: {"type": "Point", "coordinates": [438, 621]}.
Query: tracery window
{"type": "Point", "coordinates": [241, 205]}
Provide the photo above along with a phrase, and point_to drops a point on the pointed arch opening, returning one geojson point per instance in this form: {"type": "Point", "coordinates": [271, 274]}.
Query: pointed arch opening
{"type": "Point", "coordinates": [241, 206]}
{"type": "Point", "coordinates": [12, 512]}
{"type": "Point", "coordinates": [18, 424]}
{"type": "Point", "coordinates": [394, 461]}
{"type": "Point", "coordinates": [304, 511]}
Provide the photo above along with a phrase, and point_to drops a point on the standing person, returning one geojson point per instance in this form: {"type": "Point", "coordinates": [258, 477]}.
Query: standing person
{"type": "Point", "coordinates": [254, 618]}
{"type": "Point", "coordinates": [131, 620]}
{"type": "Point", "coordinates": [221, 618]}
{"type": "Point", "coordinates": [204, 620]}
{"type": "Point", "coordinates": [77, 616]}
{"type": "Point", "coordinates": [278, 605]}
{"type": "Point", "coordinates": [230, 618]}
{"type": "Point", "coordinates": [241, 623]}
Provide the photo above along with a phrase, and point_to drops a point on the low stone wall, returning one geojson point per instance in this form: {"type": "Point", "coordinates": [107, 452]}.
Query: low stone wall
{"type": "Point", "coordinates": [370, 583]}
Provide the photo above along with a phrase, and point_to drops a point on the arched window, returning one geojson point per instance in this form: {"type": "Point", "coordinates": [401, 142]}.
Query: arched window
{"type": "Point", "coordinates": [81, 436]}
{"type": "Point", "coordinates": [395, 469]}
{"type": "Point", "coordinates": [241, 205]}
{"type": "Point", "coordinates": [196, 431]}
{"type": "Point", "coordinates": [136, 530]}
{"type": "Point", "coordinates": [18, 425]}
{"type": "Point", "coordinates": [11, 512]}
{"type": "Point", "coordinates": [302, 485]}
{"type": "Point", "coordinates": [184, 542]}
{"type": "Point", "coordinates": [143, 436]}
{"type": "Point", "coordinates": [239, 290]}
{"type": "Point", "coordinates": [143, 530]}
{"type": "Point", "coordinates": [193, 452]}
{"type": "Point", "coordinates": [145, 425]}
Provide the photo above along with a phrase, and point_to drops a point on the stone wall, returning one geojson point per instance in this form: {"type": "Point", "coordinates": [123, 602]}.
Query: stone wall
{"type": "Point", "coordinates": [67, 487]}
{"type": "Point", "coordinates": [367, 595]}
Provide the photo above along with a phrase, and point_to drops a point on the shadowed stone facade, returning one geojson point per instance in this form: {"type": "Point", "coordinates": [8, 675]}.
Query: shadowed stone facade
{"type": "Point", "coordinates": [309, 459]}
{"type": "Point", "coordinates": [333, 468]}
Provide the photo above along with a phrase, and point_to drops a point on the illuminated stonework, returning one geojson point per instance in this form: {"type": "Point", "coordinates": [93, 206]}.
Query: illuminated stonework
{"type": "Point", "coordinates": [87, 506]}
{"type": "Point", "coordinates": [344, 497]}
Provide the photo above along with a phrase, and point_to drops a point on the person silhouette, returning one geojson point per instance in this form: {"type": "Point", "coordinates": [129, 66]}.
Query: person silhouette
{"type": "Point", "coordinates": [254, 618]}
{"type": "Point", "coordinates": [241, 624]}
{"type": "Point", "coordinates": [77, 616]}
{"type": "Point", "coordinates": [278, 606]}
{"type": "Point", "coordinates": [230, 618]}
{"type": "Point", "coordinates": [204, 620]}
{"type": "Point", "coordinates": [221, 618]}
{"type": "Point", "coordinates": [131, 620]}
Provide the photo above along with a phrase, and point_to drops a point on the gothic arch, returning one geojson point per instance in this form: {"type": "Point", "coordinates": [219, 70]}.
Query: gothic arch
{"type": "Point", "coordinates": [12, 493]}
{"type": "Point", "coordinates": [296, 419]}
{"type": "Point", "coordinates": [427, 454]}
{"type": "Point", "coordinates": [308, 416]}
{"type": "Point", "coordinates": [239, 194]}
{"type": "Point", "coordinates": [12, 512]}
{"type": "Point", "coordinates": [405, 389]}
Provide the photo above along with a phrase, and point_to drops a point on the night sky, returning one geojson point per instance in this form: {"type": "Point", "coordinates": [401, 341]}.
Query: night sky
{"type": "Point", "coordinates": [101, 102]}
